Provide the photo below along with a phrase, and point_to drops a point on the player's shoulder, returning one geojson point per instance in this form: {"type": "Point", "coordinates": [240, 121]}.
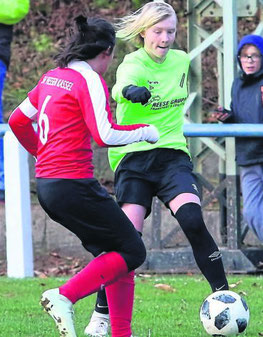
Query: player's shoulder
{"type": "Point", "coordinates": [85, 73]}
{"type": "Point", "coordinates": [135, 57]}
{"type": "Point", "coordinates": [83, 69]}
{"type": "Point", "coordinates": [65, 73]}
{"type": "Point", "coordinates": [180, 54]}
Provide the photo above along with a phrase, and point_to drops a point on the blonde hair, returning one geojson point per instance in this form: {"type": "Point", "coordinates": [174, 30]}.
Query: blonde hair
{"type": "Point", "coordinates": [130, 27]}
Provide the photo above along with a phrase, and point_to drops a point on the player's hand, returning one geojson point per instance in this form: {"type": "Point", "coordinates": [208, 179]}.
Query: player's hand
{"type": "Point", "coordinates": [136, 94]}
{"type": "Point", "coordinates": [152, 134]}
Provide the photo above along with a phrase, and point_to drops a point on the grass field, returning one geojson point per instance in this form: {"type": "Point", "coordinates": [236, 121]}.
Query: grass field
{"type": "Point", "coordinates": [159, 311]}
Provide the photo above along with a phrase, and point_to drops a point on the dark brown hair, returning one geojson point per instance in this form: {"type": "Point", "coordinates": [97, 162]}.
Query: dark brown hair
{"type": "Point", "coordinates": [92, 36]}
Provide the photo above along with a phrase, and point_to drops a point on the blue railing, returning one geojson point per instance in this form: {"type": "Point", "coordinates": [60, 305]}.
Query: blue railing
{"type": "Point", "coordinates": [17, 206]}
{"type": "Point", "coordinates": [206, 130]}
{"type": "Point", "coordinates": [223, 130]}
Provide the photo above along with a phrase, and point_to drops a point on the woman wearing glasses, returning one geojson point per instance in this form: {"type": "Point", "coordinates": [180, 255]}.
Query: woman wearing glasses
{"type": "Point", "coordinates": [247, 107]}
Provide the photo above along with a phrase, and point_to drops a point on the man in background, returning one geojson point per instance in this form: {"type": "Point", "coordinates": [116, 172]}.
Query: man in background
{"type": "Point", "coordinates": [247, 107]}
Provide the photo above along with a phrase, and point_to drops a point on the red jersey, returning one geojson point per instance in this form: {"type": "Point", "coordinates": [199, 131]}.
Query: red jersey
{"type": "Point", "coordinates": [70, 105]}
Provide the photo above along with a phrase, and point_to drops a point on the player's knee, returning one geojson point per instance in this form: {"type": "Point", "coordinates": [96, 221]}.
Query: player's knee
{"type": "Point", "coordinates": [190, 219]}
{"type": "Point", "coordinates": [138, 256]}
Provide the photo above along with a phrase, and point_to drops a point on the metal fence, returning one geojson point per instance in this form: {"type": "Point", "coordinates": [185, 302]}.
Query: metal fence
{"type": "Point", "coordinates": [18, 206]}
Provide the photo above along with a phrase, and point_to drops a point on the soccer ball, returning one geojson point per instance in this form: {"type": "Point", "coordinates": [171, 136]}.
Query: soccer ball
{"type": "Point", "coordinates": [224, 313]}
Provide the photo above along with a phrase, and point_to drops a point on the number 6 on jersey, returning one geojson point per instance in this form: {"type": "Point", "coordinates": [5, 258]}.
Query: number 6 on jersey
{"type": "Point", "coordinates": [43, 122]}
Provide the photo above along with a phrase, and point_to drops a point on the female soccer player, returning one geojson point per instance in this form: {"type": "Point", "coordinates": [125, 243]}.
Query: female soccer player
{"type": "Point", "coordinates": [151, 85]}
{"type": "Point", "coordinates": [70, 104]}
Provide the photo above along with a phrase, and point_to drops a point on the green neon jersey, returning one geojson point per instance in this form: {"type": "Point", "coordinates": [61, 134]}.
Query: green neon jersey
{"type": "Point", "coordinates": [167, 83]}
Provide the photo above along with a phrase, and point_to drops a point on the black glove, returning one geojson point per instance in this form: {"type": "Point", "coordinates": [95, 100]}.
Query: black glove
{"type": "Point", "coordinates": [136, 94]}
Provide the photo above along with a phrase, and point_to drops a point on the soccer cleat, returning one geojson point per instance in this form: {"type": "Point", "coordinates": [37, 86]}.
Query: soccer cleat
{"type": "Point", "coordinates": [98, 325]}
{"type": "Point", "coordinates": [61, 310]}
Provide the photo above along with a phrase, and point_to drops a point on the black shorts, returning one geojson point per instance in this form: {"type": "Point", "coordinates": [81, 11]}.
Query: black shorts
{"type": "Point", "coordinates": [161, 172]}
{"type": "Point", "coordinates": [85, 208]}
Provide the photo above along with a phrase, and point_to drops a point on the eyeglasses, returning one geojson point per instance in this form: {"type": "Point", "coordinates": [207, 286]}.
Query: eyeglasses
{"type": "Point", "coordinates": [252, 58]}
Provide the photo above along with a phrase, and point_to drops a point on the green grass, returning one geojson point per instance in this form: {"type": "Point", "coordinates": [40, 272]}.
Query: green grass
{"type": "Point", "coordinates": [157, 313]}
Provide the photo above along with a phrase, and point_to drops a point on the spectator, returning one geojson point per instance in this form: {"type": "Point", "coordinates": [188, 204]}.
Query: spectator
{"type": "Point", "coordinates": [247, 107]}
{"type": "Point", "coordinates": [11, 12]}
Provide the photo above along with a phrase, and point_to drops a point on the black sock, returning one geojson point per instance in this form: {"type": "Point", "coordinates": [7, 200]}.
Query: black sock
{"type": "Point", "coordinates": [205, 250]}
{"type": "Point", "coordinates": [101, 303]}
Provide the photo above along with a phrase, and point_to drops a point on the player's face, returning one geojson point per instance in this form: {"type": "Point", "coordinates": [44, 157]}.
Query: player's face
{"type": "Point", "coordinates": [159, 38]}
{"type": "Point", "coordinates": [250, 59]}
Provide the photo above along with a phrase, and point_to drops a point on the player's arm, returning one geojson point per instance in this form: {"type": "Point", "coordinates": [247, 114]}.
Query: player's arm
{"type": "Point", "coordinates": [136, 94]}
{"type": "Point", "coordinates": [20, 122]}
{"type": "Point", "coordinates": [99, 120]}
{"type": "Point", "coordinates": [128, 86]}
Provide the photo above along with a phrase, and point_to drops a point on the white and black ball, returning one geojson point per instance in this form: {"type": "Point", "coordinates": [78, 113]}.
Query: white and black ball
{"type": "Point", "coordinates": [224, 313]}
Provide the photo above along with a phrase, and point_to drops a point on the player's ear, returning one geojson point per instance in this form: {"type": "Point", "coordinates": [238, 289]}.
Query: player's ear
{"type": "Point", "coordinates": [142, 34]}
{"type": "Point", "coordinates": [108, 51]}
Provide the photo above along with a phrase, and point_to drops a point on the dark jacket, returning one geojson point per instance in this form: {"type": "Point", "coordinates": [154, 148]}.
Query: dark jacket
{"type": "Point", "coordinates": [6, 35]}
{"type": "Point", "coordinates": [247, 107]}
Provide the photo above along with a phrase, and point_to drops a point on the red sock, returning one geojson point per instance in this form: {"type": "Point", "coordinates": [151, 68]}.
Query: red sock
{"type": "Point", "coordinates": [120, 296]}
{"type": "Point", "coordinates": [100, 272]}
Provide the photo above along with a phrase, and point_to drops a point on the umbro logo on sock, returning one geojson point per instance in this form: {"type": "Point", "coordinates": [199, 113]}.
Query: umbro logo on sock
{"type": "Point", "coordinates": [216, 255]}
